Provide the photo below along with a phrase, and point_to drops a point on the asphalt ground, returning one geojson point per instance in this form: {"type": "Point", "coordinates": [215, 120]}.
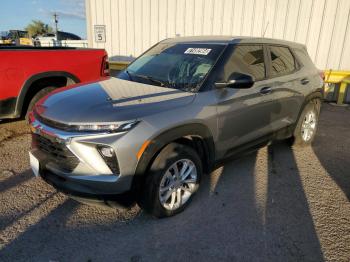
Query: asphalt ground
{"type": "Point", "coordinates": [276, 204]}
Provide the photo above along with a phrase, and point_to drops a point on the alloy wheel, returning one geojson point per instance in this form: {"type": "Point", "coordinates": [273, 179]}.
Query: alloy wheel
{"type": "Point", "coordinates": [178, 184]}
{"type": "Point", "coordinates": [308, 126]}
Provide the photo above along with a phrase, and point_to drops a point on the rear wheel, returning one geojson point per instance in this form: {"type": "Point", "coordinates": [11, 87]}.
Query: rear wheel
{"type": "Point", "coordinates": [306, 128]}
{"type": "Point", "coordinates": [172, 181]}
{"type": "Point", "coordinates": [43, 92]}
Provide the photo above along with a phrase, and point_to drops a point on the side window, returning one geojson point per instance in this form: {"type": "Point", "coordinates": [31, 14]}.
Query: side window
{"type": "Point", "coordinates": [304, 58]}
{"type": "Point", "coordinates": [246, 59]}
{"type": "Point", "coordinates": [282, 61]}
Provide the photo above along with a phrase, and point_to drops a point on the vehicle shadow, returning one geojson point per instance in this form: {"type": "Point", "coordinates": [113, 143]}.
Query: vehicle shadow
{"type": "Point", "coordinates": [37, 240]}
{"type": "Point", "coordinates": [15, 180]}
{"type": "Point", "coordinates": [7, 221]}
{"type": "Point", "coordinates": [332, 145]}
{"type": "Point", "coordinates": [251, 209]}
{"type": "Point", "coordinates": [289, 225]}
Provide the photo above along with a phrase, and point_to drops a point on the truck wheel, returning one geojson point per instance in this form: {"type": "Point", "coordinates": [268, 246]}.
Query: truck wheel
{"type": "Point", "coordinates": [43, 92]}
{"type": "Point", "coordinates": [172, 181]}
{"type": "Point", "coordinates": [306, 128]}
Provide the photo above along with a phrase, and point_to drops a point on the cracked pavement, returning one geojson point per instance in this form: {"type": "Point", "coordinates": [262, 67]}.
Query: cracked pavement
{"type": "Point", "coordinates": [276, 204]}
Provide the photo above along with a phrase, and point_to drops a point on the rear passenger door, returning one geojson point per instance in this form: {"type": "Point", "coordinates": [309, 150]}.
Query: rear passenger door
{"type": "Point", "coordinates": [286, 85]}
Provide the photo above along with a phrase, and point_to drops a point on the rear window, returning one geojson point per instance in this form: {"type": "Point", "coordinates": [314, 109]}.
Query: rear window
{"type": "Point", "coordinates": [282, 61]}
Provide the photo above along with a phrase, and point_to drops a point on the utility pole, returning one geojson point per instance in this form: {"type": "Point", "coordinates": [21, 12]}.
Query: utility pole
{"type": "Point", "coordinates": [55, 17]}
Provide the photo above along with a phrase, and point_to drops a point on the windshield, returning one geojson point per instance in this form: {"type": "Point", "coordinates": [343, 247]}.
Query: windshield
{"type": "Point", "coordinates": [180, 66]}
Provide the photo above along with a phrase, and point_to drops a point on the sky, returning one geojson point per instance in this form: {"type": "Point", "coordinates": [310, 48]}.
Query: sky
{"type": "Point", "coordinates": [17, 14]}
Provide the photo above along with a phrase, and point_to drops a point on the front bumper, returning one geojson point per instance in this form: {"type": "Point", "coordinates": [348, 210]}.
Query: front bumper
{"type": "Point", "coordinates": [85, 193]}
{"type": "Point", "coordinates": [86, 175]}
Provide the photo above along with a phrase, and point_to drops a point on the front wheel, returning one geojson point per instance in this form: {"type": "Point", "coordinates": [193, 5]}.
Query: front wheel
{"type": "Point", "coordinates": [306, 128]}
{"type": "Point", "coordinates": [172, 181]}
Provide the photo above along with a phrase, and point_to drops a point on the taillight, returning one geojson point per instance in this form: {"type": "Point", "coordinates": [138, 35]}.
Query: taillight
{"type": "Point", "coordinates": [105, 66]}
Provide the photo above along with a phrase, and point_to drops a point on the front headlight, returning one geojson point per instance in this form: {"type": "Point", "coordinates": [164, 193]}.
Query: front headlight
{"type": "Point", "coordinates": [112, 128]}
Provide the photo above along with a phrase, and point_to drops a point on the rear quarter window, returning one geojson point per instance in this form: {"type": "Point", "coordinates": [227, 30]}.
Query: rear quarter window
{"type": "Point", "coordinates": [282, 61]}
{"type": "Point", "coordinates": [304, 58]}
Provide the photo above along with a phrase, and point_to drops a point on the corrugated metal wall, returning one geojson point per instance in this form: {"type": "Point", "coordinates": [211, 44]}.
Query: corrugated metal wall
{"type": "Point", "coordinates": [132, 26]}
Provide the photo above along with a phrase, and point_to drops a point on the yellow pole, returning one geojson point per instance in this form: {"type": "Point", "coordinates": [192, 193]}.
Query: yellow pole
{"type": "Point", "coordinates": [341, 95]}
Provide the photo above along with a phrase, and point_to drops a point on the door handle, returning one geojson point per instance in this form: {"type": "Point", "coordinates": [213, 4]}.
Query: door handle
{"type": "Point", "coordinates": [265, 90]}
{"type": "Point", "coordinates": [304, 81]}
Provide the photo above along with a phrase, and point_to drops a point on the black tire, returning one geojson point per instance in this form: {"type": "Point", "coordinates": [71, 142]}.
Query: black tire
{"type": "Point", "coordinates": [43, 92]}
{"type": "Point", "coordinates": [148, 198]}
{"type": "Point", "coordinates": [297, 139]}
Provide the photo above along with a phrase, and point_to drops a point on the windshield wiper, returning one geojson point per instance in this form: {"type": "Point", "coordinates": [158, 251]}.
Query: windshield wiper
{"type": "Point", "coordinates": [151, 79]}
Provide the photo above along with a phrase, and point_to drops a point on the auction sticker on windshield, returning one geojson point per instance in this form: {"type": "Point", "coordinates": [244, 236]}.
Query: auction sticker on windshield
{"type": "Point", "coordinates": [198, 51]}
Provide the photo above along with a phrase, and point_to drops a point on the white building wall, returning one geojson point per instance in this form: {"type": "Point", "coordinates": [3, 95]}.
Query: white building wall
{"type": "Point", "coordinates": [132, 26]}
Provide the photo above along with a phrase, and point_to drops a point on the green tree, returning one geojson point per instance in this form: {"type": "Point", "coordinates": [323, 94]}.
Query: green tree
{"type": "Point", "coordinates": [38, 27]}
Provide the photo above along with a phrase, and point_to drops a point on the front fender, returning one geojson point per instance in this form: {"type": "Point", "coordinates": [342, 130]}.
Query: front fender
{"type": "Point", "coordinates": [170, 135]}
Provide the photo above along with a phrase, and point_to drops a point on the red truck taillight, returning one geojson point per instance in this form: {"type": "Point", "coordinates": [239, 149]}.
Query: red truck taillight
{"type": "Point", "coordinates": [105, 66]}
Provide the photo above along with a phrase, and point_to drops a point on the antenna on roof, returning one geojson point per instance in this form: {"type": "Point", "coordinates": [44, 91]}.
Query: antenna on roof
{"type": "Point", "coordinates": [267, 25]}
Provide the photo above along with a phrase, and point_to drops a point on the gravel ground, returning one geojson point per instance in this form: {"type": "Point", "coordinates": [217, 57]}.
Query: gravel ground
{"type": "Point", "coordinates": [277, 204]}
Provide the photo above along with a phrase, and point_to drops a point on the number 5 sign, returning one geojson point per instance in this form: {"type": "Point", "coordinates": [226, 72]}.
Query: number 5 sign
{"type": "Point", "coordinates": [100, 33]}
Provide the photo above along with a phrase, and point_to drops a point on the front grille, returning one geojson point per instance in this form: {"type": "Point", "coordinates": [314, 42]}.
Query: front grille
{"type": "Point", "coordinates": [56, 152]}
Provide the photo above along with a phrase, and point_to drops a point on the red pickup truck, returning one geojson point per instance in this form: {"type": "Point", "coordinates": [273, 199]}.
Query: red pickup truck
{"type": "Point", "coordinates": [29, 73]}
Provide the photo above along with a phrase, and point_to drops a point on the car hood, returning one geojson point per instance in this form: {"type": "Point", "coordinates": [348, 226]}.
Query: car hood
{"type": "Point", "coordinates": [108, 101]}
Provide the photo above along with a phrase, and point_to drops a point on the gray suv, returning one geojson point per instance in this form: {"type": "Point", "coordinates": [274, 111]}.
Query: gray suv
{"type": "Point", "coordinates": [183, 106]}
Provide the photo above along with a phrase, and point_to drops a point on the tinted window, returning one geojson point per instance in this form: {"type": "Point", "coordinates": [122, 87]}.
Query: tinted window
{"type": "Point", "coordinates": [246, 59]}
{"type": "Point", "coordinates": [282, 61]}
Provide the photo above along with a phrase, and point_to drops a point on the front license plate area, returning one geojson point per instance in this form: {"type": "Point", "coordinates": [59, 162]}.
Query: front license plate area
{"type": "Point", "coordinates": [34, 164]}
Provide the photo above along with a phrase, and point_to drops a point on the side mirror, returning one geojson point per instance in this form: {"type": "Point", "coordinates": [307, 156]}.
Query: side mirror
{"type": "Point", "coordinates": [237, 80]}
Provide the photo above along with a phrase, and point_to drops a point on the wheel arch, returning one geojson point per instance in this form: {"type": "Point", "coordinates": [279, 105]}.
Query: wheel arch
{"type": "Point", "coordinates": [198, 136]}
{"type": "Point", "coordinates": [26, 91]}
{"type": "Point", "coordinates": [314, 95]}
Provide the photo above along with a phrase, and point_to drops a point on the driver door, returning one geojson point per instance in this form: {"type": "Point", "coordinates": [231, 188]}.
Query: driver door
{"type": "Point", "coordinates": [244, 115]}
